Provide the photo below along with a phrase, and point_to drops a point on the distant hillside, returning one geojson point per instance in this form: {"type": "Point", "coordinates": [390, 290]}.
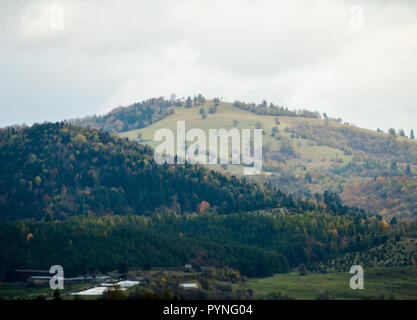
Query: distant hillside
{"type": "Point", "coordinates": [143, 114]}
{"type": "Point", "coordinates": [389, 254]}
{"type": "Point", "coordinates": [304, 153]}
{"type": "Point", "coordinates": [53, 171]}
{"type": "Point", "coordinates": [363, 143]}
{"type": "Point", "coordinates": [385, 195]}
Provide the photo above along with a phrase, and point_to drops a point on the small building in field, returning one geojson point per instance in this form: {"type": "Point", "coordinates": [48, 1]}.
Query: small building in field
{"type": "Point", "coordinates": [189, 285]}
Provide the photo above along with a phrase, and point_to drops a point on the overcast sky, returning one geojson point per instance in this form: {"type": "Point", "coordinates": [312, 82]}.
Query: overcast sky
{"type": "Point", "coordinates": [350, 59]}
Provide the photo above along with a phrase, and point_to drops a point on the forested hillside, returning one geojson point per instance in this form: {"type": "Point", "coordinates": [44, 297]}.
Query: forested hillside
{"type": "Point", "coordinates": [95, 201]}
{"type": "Point", "coordinates": [389, 254]}
{"type": "Point", "coordinates": [152, 214]}
{"type": "Point", "coordinates": [137, 115]}
{"type": "Point", "coordinates": [371, 145]}
{"type": "Point", "coordinates": [305, 153]}
{"type": "Point", "coordinates": [388, 196]}
{"type": "Point", "coordinates": [53, 171]}
{"type": "Point", "coordinates": [256, 244]}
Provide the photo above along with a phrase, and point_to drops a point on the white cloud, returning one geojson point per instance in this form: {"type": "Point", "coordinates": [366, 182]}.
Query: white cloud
{"type": "Point", "coordinates": [299, 53]}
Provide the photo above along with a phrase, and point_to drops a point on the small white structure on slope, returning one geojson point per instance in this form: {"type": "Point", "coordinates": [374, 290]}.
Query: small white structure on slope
{"type": "Point", "coordinates": [190, 285]}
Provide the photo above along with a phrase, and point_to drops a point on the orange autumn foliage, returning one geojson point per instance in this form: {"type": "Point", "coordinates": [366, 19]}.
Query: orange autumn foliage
{"type": "Point", "coordinates": [203, 206]}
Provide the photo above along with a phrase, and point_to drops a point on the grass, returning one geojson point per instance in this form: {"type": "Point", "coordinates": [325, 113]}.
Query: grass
{"type": "Point", "coordinates": [15, 292]}
{"type": "Point", "coordinates": [311, 155]}
{"type": "Point", "coordinates": [397, 282]}
{"type": "Point", "coordinates": [391, 282]}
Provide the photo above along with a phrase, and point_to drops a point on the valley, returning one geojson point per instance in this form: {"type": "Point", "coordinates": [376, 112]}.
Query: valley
{"type": "Point", "coordinates": [88, 194]}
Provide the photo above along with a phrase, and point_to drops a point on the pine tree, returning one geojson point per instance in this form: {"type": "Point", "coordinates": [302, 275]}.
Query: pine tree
{"type": "Point", "coordinates": [188, 103]}
{"type": "Point", "coordinates": [408, 171]}
{"type": "Point", "coordinates": [412, 134]}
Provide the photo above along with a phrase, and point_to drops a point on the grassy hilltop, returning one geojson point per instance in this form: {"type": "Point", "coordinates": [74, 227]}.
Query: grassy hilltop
{"type": "Point", "coordinates": [305, 155]}
{"type": "Point", "coordinates": [224, 118]}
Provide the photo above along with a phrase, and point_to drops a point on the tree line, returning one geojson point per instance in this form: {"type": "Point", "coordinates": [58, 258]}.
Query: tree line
{"type": "Point", "coordinates": [256, 243]}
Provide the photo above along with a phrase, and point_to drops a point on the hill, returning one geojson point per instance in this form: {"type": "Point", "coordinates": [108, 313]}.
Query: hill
{"type": "Point", "coordinates": [390, 254]}
{"type": "Point", "coordinates": [136, 116]}
{"type": "Point", "coordinates": [303, 153]}
{"type": "Point", "coordinates": [385, 195]}
{"type": "Point", "coordinates": [54, 171]}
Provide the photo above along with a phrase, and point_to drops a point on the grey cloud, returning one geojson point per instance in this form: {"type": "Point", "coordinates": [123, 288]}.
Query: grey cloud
{"type": "Point", "coordinates": [298, 53]}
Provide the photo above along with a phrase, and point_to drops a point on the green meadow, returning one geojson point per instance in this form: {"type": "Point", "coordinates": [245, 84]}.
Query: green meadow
{"type": "Point", "coordinates": [311, 155]}
{"type": "Point", "coordinates": [391, 283]}
{"type": "Point", "coordinates": [25, 292]}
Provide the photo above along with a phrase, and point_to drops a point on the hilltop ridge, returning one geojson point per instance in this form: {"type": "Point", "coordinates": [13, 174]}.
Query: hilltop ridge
{"type": "Point", "coordinates": [304, 152]}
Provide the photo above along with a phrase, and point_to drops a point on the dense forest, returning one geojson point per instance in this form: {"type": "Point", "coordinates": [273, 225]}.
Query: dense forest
{"type": "Point", "coordinates": [256, 244]}
{"type": "Point", "coordinates": [387, 196]}
{"type": "Point", "coordinates": [53, 171]}
{"type": "Point", "coordinates": [104, 244]}
{"type": "Point", "coordinates": [118, 206]}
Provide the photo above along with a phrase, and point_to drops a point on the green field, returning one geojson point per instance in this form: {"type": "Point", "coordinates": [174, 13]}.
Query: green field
{"type": "Point", "coordinates": [398, 283]}
{"type": "Point", "coordinates": [24, 292]}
